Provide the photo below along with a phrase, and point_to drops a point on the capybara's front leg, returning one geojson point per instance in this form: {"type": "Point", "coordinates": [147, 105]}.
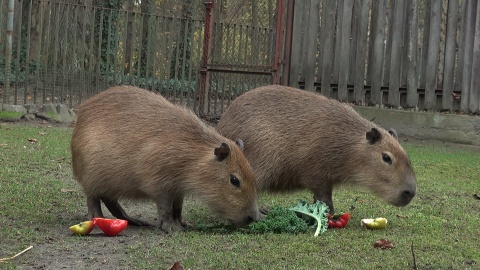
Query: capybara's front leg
{"type": "Point", "coordinates": [94, 207]}
{"type": "Point", "coordinates": [324, 195]}
{"type": "Point", "coordinates": [177, 207]}
{"type": "Point", "coordinates": [166, 214]}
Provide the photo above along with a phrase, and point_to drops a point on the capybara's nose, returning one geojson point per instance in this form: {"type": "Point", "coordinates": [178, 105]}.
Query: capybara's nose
{"type": "Point", "coordinates": [407, 195]}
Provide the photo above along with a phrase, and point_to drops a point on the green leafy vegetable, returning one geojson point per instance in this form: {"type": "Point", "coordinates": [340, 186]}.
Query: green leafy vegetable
{"type": "Point", "coordinates": [313, 214]}
{"type": "Point", "coordinates": [279, 220]}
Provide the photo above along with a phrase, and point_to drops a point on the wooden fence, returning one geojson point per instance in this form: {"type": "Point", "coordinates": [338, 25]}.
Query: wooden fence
{"type": "Point", "coordinates": [413, 54]}
{"type": "Point", "coordinates": [395, 53]}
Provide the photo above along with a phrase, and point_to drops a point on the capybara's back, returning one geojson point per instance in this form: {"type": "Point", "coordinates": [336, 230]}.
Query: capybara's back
{"type": "Point", "coordinates": [132, 143]}
{"type": "Point", "coordinates": [298, 139]}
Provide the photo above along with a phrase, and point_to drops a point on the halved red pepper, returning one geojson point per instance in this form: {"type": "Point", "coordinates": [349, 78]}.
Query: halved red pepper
{"type": "Point", "coordinates": [338, 221]}
{"type": "Point", "coordinates": [110, 227]}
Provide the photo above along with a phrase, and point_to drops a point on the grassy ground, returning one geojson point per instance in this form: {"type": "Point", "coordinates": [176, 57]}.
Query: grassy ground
{"type": "Point", "coordinates": [40, 200]}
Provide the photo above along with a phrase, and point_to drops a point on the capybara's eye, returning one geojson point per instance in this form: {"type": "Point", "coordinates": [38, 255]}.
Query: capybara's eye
{"type": "Point", "coordinates": [234, 180]}
{"type": "Point", "coordinates": [386, 158]}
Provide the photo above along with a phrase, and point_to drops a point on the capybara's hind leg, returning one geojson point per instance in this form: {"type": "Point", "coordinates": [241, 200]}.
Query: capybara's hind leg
{"type": "Point", "coordinates": [117, 211]}
{"type": "Point", "coordinates": [94, 207]}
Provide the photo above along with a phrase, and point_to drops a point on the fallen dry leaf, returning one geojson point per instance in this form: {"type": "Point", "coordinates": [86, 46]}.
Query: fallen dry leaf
{"type": "Point", "coordinates": [456, 97]}
{"type": "Point", "coordinates": [64, 190]}
{"type": "Point", "coordinates": [476, 196]}
{"type": "Point", "coordinates": [177, 266]}
{"type": "Point", "coordinates": [3, 144]}
{"type": "Point", "coordinates": [400, 216]}
{"type": "Point", "coordinates": [41, 133]}
{"type": "Point", "coordinates": [32, 140]}
{"type": "Point", "coordinates": [383, 244]}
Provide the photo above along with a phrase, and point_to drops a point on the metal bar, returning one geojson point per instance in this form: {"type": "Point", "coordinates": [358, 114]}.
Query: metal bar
{"type": "Point", "coordinates": [207, 48]}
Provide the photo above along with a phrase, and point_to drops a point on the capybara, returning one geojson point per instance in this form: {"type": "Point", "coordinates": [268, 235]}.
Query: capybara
{"type": "Point", "coordinates": [134, 144]}
{"type": "Point", "coordinates": [298, 139]}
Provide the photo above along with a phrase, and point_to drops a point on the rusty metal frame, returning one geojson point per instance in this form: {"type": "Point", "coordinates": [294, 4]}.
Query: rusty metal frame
{"type": "Point", "coordinates": [206, 67]}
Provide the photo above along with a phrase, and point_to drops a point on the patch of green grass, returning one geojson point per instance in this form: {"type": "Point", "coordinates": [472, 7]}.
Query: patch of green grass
{"type": "Point", "coordinates": [441, 222]}
{"type": "Point", "coordinates": [5, 115]}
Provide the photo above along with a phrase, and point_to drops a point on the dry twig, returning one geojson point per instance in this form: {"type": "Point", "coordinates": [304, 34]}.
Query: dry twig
{"type": "Point", "coordinates": [413, 255]}
{"type": "Point", "coordinates": [16, 255]}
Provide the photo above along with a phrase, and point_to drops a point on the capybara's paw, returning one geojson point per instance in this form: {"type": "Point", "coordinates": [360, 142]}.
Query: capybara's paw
{"type": "Point", "coordinates": [170, 227]}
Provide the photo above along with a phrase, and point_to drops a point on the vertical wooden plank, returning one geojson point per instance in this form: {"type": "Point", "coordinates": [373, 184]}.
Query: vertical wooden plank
{"type": "Point", "coordinates": [311, 45]}
{"type": "Point", "coordinates": [425, 44]}
{"type": "Point", "coordinates": [461, 47]}
{"type": "Point", "coordinates": [433, 50]}
{"type": "Point", "coordinates": [388, 44]}
{"type": "Point", "coordinates": [337, 41]}
{"type": "Point", "coordinates": [327, 63]}
{"type": "Point", "coordinates": [474, 98]}
{"type": "Point", "coordinates": [296, 44]}
{"type": "Point", "coordinates": [450, 52]}
{"type": "Point", "coordinates": [377, 51]}
{"type": "Point", "coordinates": [397, 27]}
{"type": "Point", "coordinates": [364, 6]}
{"type": "Point", "coordinates": [404, 67]}
{"type": "Point", "coordinates": [412, 75]}
{"type": "Point", "coordinates": [353, 41]}
{"type": "Point", "coordinates": [321, 38]}
{"type": "Point", "coordinates": [371, 40]}
{"type": "Point", "coordinates": [344, 56]}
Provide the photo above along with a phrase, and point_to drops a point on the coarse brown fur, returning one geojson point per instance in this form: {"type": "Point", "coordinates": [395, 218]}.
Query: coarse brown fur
{"type": "Point", "coordinates": [132, 143]}
{"type": "Point", "coordinates": [298, 139]}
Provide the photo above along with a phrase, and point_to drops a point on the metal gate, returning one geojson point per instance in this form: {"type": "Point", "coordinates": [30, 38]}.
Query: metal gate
{"type": "Point", "coordinates": [241, 50]}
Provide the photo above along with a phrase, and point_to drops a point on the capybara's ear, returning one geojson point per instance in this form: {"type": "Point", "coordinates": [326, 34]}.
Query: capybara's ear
{"type": "Point", "coordinates": [393, 132]}
{"type": "Point", "coordinates": [373, 136]}
{"type": "Point", "coordinates": [239, 142]}
{"type": "Point", "coordinates": [222, 152]}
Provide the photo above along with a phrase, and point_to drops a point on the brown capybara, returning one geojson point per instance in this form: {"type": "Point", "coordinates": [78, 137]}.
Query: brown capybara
{"type": "Point", "coordinates": [298, 139]}
{"type": "Point", "coordinates": [134, 144]}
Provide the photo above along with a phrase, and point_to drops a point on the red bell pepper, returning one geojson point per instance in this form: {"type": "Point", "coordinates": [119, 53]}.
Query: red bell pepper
{"type": "Point", "coordinates": [338, 221]}
{"type": "Point", "coordinates": [110, 227]}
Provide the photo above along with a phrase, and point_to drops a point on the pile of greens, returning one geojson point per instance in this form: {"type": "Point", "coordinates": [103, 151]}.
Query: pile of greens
{"type": "Point", "coordinates": [295, 219]}
{"type": "Point", "coordinates": [279, 220]}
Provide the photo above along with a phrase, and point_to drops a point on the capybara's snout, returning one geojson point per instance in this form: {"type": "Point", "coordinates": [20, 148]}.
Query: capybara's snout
{"type": "Point", "coordinates": [247, 219]}
{"type": "Point", "coordinates": [406, 196]}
